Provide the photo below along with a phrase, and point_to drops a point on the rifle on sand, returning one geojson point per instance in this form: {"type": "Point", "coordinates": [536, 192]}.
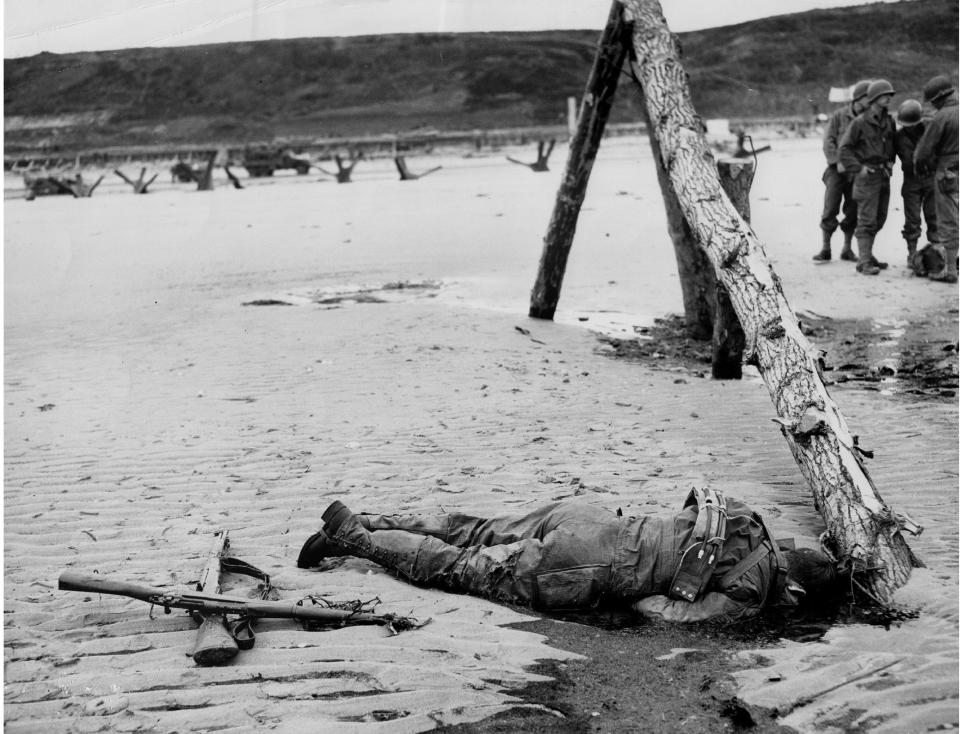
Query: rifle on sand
{"type": "Point", "coordinates": [318, 612]}
{"type": "Point", "coordinates": [215, 643]}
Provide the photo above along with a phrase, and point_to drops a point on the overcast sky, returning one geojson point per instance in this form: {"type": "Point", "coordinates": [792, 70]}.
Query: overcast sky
{"type": "Point", "coordinates": [59, 26]}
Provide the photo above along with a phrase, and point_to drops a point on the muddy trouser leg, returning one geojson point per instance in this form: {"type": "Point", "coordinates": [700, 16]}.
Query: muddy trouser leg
{"type": "Point", "coordinates": [928, 187]}
{"type": "Point", "coordinates": [947, 226]}
{"type": "Point", "coordinates": [867, 190]}
{"type": "Point", "coordinates": [912, 193]}
{"type": "Point", "coordinates": [849, 209]}
{"type": "Point", "coordinates": [465, 530]}
{"type": "Point", "coordinates": [559, 572]}
{"type": "Point", "coordinates": [832, 197]}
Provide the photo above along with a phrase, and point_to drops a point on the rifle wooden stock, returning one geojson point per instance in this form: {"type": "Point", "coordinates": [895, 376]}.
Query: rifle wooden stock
{"type": "Point", "coordinates": [219, 604]}
{"type": "Point", "coordinates": [214, 643]}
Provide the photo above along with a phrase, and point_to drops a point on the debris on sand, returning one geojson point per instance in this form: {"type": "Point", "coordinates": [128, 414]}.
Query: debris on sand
{"type": "Point", "coordinates": [916, 358]}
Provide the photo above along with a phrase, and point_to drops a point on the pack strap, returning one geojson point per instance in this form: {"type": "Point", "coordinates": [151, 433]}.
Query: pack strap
{"type": "Point", "coordinates": [767, 546]}
{"type": "Point", "coordinates": [699, 559]}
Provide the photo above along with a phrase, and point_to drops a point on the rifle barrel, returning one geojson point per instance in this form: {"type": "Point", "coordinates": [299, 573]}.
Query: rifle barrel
{"type": "Point", "coordinates": [216, 603]}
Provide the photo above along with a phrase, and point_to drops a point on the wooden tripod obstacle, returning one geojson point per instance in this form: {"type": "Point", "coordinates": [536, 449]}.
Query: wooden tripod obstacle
{"type": "Point", "coordinates": [139, 186]}
{"type": "Point", "coordinates": [405, 174]}
{"type": "Point", "coordinates": [540, 165]}
{"type": "Point", "coordinates": [344, 170]}
{"type": "Point", "coordinates": [862, 532]}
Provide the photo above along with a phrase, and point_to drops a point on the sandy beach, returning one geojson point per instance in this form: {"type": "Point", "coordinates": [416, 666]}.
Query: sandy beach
{"type": "Point", "coordinates": [150, 402]}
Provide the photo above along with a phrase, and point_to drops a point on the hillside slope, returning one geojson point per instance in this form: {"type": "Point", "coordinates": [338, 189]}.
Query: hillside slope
{"type": "Point", "coordinates": [325, 87]}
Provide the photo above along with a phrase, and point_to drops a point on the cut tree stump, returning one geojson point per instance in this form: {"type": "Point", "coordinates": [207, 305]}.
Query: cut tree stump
{"type": "Point", "coordinates": [542, 156]}
{"type": "Point", "coordinates": [139, 186]}
{"type": "Point", "coordinates": [861, 529]}
{"type": "Point", "coordinates": [594, 111]}
{"type": "Point", "coordinates": [736, 178]}
{"type": "Point", "coordinates": [405, 174]}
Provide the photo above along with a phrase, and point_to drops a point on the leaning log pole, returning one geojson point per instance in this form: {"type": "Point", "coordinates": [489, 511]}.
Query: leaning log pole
{"type": "Point", "coordinates": [594, 111]}
{"type": "Point", "coordinates": [861, 529]}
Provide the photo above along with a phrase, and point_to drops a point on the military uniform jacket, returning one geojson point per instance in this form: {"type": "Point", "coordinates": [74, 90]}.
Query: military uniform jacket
{"type": "Point", "coordinates": [869, 141]}
{"type": "Point", "coordinates": [907, 138]}
{"type": "Point", "coordinates": [938, 146]}
{"type": "Point", "coordinates": [647, 556]}
{"type": "Point", "coordinates": [836, 126]}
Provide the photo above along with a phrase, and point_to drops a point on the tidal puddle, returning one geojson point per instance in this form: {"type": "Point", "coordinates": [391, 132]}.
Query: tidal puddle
{"type": "Point", "coordinates": [894, 358]}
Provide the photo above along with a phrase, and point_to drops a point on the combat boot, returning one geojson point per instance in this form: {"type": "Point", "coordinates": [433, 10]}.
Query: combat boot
{"type": "Point", "coordinates": [319, 546]}
{"type": "Point", "coordinates": [865, 262]}
{"type": "Point", "coordinates": [847, 252]}
{"type": "Point", "coordinates": [395, 550]}
{"type": "Point", "coordinates": [949, 272]}
{"type": "Point", "coordinates": [911, 254]}
{"type": "Point", "coordinates": [824, 255]}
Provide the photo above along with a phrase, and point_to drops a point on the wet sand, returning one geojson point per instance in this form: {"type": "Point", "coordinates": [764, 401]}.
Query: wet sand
{"type": "Point", "coordinates": [146, 406]}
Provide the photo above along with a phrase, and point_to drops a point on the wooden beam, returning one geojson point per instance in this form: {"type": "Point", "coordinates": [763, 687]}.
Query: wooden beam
{"type": "Point", "coordinates": [594, 111]}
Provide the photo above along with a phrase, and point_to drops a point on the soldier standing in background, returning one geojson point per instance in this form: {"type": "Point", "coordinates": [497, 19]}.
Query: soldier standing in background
{"type": "Point", "coordinates": [868, 150]}
{"type": "Point", "coordinates": [918, 184]}
{"type": "Point", "coordinates": [937, 149]}
{"type": "Point", "coordinates": [839, 186]}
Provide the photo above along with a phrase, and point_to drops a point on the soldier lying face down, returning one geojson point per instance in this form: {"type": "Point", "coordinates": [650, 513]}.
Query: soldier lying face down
{"type": "Point", "coordinates": [713, 560]}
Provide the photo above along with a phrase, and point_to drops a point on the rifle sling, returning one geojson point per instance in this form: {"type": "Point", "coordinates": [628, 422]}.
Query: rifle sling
{"type": "Point", "coordinates": [242, 632]}
{"type": "Point", "coordinates": [235, 565]}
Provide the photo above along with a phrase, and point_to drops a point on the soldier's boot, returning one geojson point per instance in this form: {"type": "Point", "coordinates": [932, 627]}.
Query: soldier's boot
{"type": "Point", "coordinates": [949, 272]}
{"type": "Point", "coordinates": [912, 254]}
{"type": "Point", "coordinates": [824, 255]}
{"type": "Point", "coordinates": [319, 546]}
{"type": "Point", "coordinates": [344, 529]}
{"type": "Point", "coordinates": [865, 262]}
{"type": "Point", "coordinates": [847, 253]}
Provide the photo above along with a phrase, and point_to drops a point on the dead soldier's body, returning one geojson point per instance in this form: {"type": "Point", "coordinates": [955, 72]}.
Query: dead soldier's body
{"type": "Point", "coordinates": [713, 560]}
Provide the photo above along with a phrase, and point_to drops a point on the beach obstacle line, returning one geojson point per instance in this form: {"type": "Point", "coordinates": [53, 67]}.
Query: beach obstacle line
{"type": "Point", "coordinates": [862, 532]}
{"type": "Point", "coordinates": [543, 155]}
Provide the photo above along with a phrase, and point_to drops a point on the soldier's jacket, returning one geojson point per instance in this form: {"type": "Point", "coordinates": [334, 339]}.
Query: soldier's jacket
{"type": "Point", "coordinates": [938, 146]}
{"type": "Point", "coordinates": [869, 141]}
{"type": "Point", "coordinates": [837, 125]}
{"type": "Point", "coordinates": [648, 551]}
{"type": "Point", "coordinates": [907, 139]}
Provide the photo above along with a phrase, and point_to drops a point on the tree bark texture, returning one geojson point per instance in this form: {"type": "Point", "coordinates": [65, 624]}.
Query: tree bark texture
{"type": "Point", "coordinates": [697, 281]}
{"type": "Point", "coordinates": [594, 111]}
{"type": "Point", "coordinates": [736, 178]}
{"type": "Point", "coordinates": [861, 528]}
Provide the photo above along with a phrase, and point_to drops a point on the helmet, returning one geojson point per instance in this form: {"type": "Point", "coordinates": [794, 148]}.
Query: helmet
{"type": "Point", "coordinates": [936, 88]}
{"type": "Point", "coordinates": [910, 113]}
{"type": "Point", "coordinates": [860, 89]}
{"type": "Point", "coordinates": [878, 88]}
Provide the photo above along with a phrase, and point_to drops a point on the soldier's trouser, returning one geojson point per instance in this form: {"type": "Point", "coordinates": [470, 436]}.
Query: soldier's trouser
{"type": "Point", "coordinates": [945, 195]}
{"type": "Point", "coordinates": [837, 196]}
{"type": "Point", "coordinates": [558, 557]}
{"type": "Point", "coordinates": [919, 196]}
{"type": "Point", "coordinates": [871, 191]}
